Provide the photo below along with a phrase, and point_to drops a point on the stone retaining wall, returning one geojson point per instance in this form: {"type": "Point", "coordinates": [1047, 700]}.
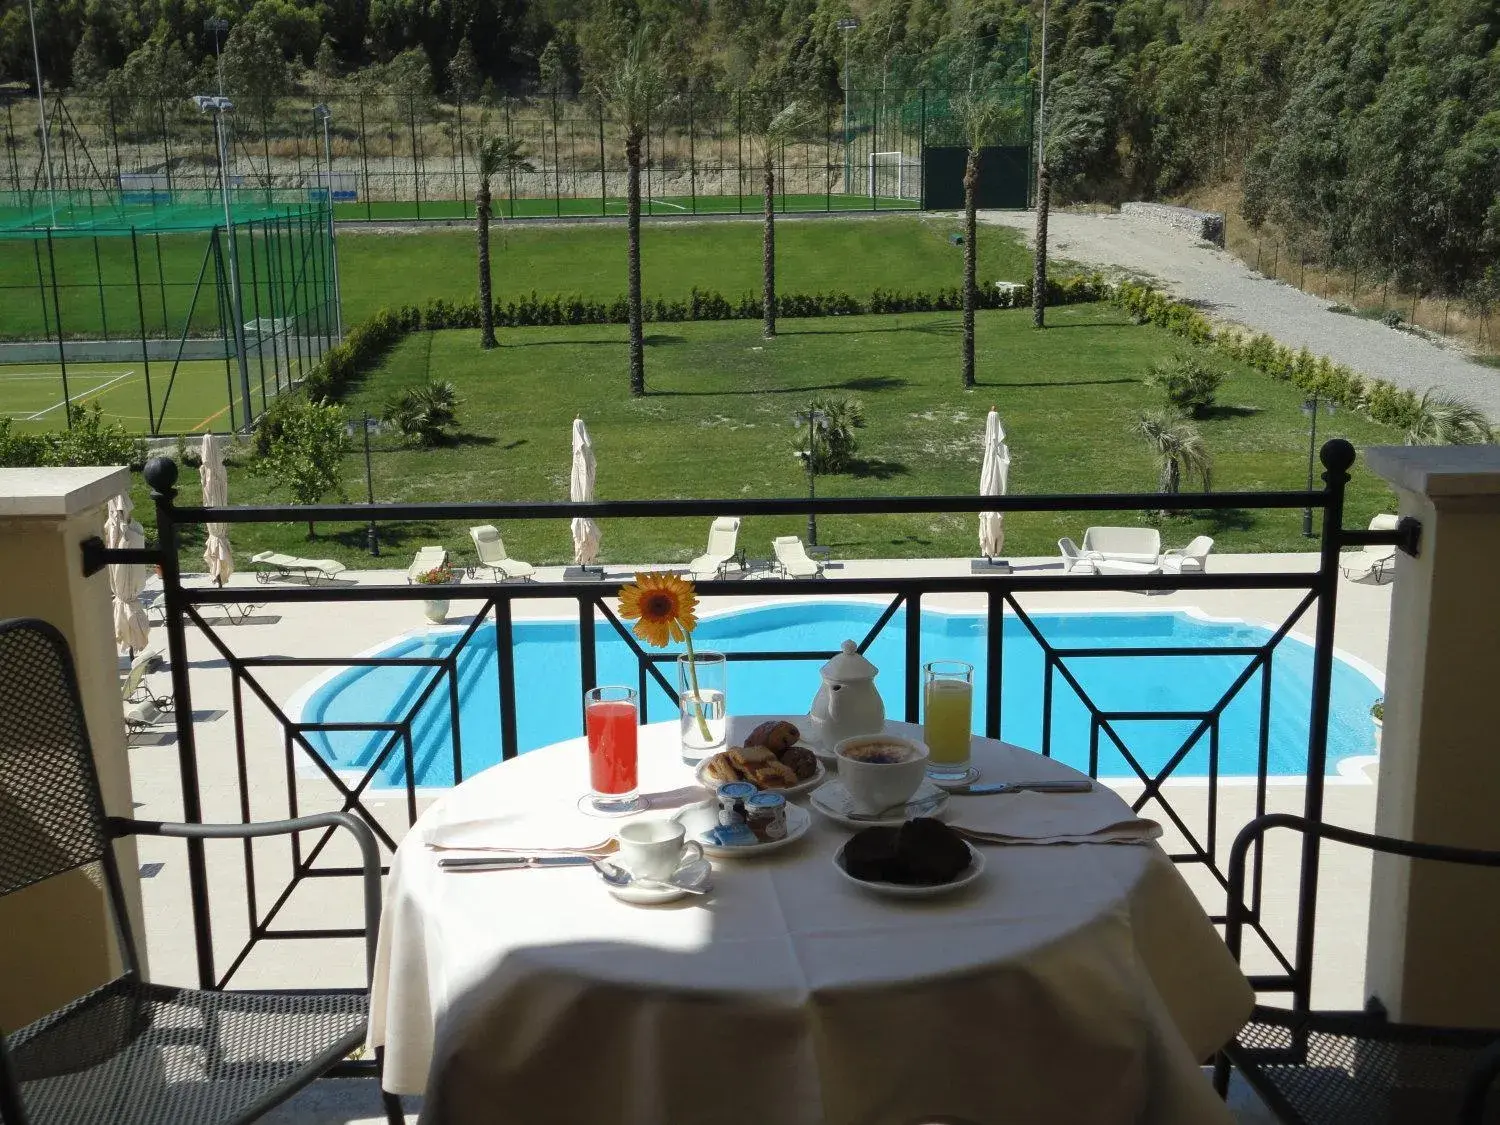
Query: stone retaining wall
{"type": "Point", "coordinates": [1207, 225]}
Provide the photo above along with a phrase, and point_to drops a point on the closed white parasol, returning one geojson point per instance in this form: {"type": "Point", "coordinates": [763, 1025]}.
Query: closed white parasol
{"type": "Point", "coordinates": [132, 630]}
{"type": "Point", "coordinates": [581, 491]}
{"type": "Point", "coordinates": [216, 552]}
{"type": "Point", "coordinates": [994, 479]}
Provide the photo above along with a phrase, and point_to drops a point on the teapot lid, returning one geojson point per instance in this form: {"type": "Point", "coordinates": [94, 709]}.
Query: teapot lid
{"type": "Point", "coordinates": [849, 665]}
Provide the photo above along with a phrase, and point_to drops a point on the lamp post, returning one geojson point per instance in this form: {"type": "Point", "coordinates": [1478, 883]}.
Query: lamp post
{"type": "Point", "coordinates": [217, 26]}
{"type": "Point", "coordinates": [816, 420]}
{"type": "Point", "coordinates": [218, 108]}
{"type": "Point", "coordinates": [367, 426]}
{"type": "Point", "coordinates": [41, 104]}
{"type": "Point", "coordinates": [846, 25]}
{"type": "Point", "coordinates": [323, 114]}
{"type": "Point", "coordinates": [1310, 408]}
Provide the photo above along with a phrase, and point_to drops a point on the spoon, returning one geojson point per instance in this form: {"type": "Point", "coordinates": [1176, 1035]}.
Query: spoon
{"type": "Point", "coordinates": [619, 877]}
{"type": "Point", "coordinates": [904, 810]}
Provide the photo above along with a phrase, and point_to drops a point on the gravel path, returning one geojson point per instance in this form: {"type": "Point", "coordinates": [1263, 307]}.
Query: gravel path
{"type": "Point", "coordinates": [1228, 290]}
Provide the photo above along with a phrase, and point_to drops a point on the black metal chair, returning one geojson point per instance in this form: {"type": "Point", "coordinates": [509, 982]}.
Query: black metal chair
{"type": "Point", "coordinates": [131, 1052]}
{"type": "Point", "coordinates": [1356, 1068]}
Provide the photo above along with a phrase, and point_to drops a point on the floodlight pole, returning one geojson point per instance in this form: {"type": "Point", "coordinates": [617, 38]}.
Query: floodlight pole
{"type": "Point", "coordinates": [325, 115]}
{"type": "Point", "coordinates": [41, 103]}
{"type": "Point", "coordinates": [218, 107]}
{"type": "Point", "coordinates": [846, 25]}
{"type": "Point", "coordinates": [218, 25]}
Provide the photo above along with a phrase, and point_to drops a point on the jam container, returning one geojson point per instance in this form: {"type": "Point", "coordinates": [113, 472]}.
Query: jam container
{"type": "Point", "coordinates": [766, 815]}
{"type": "Point", "coordinates": [733, 796]}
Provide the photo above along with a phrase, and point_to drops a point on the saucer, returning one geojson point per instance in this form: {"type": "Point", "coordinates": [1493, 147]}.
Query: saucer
{"type": "Point", "coordinates": [696, 872]}
{"type": "Point", "coordinates": [834, 802]}
{"type": "Point", "coordinates": [698, 819]}
{"type": "Point", "coordinates": [914, 890]}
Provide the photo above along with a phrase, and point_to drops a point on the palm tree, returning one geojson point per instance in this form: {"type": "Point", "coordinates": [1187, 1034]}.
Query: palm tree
{"type": "Point", "coordinates": [1039, 273]}
{"type": "Point", "coordinates": [633, 90]}
{"type": "Point", "coordinates": [980, 117]}
{"type": "Point", "coordinates": [1179, 449]}
{"type": "Point", "coordinates": [1444, 419]}
{"type": "Point", "coordinates": [770, 128]}
{"type": "Point", "coordinates": [495, 155]}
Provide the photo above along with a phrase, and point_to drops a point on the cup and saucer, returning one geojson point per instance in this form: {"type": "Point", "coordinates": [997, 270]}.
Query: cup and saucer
{"type": "Point", "coordinates": [655, 864]}
{"type": "Point", "coordinates": [882, 780]}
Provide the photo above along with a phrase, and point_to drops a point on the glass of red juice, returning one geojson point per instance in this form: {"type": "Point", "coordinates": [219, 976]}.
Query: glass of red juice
{"type": "Point", "coordinates": [612, 721]}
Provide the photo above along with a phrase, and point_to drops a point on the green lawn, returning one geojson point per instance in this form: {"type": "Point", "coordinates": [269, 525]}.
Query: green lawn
{"type": "Point", "coordinates": [717, 424]}
{"type": "Point", "coordinates": [854, 255]}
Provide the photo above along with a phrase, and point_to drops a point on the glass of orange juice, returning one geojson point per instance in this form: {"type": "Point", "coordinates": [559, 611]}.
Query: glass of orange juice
{"type": "Point", "coordinates": [948, 718]}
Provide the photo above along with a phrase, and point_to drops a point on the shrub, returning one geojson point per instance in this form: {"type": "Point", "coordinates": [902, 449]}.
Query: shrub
{"type": "Point", "coordinates": [1187, 384]}
{"type": "Point", "coordinates": [834, 441]}
{"type": "Point", "coordinates": [1391, 319]}
{"type": "Point", "coordinates": [423, 414]}
{"type": "Point", "coordinates": [89, 440]}
{"type": "Point", "coordinates": [22, 450]}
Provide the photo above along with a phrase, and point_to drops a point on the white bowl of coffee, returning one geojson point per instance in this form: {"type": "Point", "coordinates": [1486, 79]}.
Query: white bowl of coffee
{"type": "Point", "coordinates": [880, 771]}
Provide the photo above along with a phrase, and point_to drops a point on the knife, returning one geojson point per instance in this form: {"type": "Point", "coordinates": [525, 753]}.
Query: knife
{"type": "Point", "coordinates": [1057, 785]}
{"type": "Point", "coordinates": [511, 862]}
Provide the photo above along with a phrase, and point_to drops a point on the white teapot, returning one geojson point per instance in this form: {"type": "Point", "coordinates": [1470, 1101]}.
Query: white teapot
{"type": "Point", "coordinates": [847, 703]}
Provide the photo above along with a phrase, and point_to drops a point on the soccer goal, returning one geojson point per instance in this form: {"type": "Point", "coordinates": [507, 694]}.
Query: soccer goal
{"type": "Point", "coordinates": [894, 175]}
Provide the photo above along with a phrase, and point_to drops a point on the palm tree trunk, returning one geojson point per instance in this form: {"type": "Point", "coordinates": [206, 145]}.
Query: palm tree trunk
{"type": "Point", "coordinates": [971, 261]}
{"type": "Point", "coordinates": [1039, 278]}
{"type": "Point", "coordinates": [1174, 476]}
{"type": "Point", "coordinates": [633, 228]}
{"type": "Point", "coordinates": [768, 253]}
{"type": "Point", "coordinates": [486, 291]}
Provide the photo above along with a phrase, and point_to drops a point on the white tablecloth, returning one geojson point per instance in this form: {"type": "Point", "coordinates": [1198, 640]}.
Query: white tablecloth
{"type": "Point", "coordinates": [1069, 984]}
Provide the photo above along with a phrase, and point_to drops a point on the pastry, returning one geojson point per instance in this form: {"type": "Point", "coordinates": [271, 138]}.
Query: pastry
{"type": "Point", "coordinates": [747, 758]}
{"type": "Point", "coordinates": [778, 734]}
{"type": "Point", "coordinates": [772, 775]}
{"type": "Point", "coordinates": [922, 852]}
{"type": "Point", "coordinates": [720, 768]}
{"type": "Point", "coordinates": [801, 761]}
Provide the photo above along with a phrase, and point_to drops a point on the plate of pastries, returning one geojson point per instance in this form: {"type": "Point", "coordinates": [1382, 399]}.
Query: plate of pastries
{"type": "Point", "coordinates": [772, 758]}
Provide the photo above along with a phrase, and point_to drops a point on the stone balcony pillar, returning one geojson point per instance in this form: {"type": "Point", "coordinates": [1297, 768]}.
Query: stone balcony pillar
{"type": "Point", "coordinates": [1432, 955]}
{"type": "Point", "coordinates": [56, 940]}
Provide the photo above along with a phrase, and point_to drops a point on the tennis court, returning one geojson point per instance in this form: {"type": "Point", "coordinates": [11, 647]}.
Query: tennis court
{"type": "Point", "coordinates": [192, 400]}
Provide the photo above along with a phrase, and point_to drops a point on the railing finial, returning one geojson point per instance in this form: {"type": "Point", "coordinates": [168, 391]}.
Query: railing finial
{"type": "Point", "coordinates": [1337, 455]}
{"type": "Point", "coordinates": [161, 475]}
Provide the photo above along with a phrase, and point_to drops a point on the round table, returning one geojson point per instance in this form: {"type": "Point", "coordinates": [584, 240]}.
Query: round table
{"type": "Point", "coordinates": [1070, 983]}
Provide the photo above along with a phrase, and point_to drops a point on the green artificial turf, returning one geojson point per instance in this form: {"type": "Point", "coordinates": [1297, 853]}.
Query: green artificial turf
{"type": "Point", "coordinates": [717, 423]}
{"type": "Point", "coordinates": [541, 207]}
{"type": "Point", "coordinates": [857, 256]}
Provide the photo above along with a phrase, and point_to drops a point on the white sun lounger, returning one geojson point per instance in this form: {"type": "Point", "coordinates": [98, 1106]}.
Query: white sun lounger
{"type": "Point", "coordinates": [492, 554]}
{"type": "Point", "coordinates": [1130, 544]}
{"type": "Point", "coordinates": [792, 558]}
{"type": "Point", "coordinates": [271, 565]}
{"type": "Point", "coordinates": [1374, 565]}
{"type": "Point", "coordinates": [426, 558]}
{"type": "Point", "coordinates": [722, 549]}
{"type": "Point", "coordinates": [1192, 559]}
{"type": "Point", "coordinates": [1074, 561]}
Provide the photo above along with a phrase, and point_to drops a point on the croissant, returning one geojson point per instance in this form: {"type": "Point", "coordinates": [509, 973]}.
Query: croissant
{"type": "Point", "coordinates": [720, 768]}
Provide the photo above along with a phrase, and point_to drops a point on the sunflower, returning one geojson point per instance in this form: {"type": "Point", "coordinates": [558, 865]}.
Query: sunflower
{"type": "Point", "coordinates": [661, 605]}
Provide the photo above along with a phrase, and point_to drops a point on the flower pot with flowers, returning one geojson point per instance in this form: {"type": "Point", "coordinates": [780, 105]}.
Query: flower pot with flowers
{"type": "Point", "coordinates": [436, 609]}
{"type": "Point", "coordinates": [664, 609]}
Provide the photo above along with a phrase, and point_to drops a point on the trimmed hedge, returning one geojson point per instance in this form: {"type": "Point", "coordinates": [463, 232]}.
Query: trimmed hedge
{"type": "Point", "coordinates": [368, 342]}
{"type": "Point", "coordinates": [1382, 401]}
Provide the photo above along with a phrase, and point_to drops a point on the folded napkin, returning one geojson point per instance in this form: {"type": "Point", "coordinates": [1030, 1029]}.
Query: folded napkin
{"type": "Point", "coordinates": [547, 827]}
{"type": "Point", "coordinates": [1097, 817]}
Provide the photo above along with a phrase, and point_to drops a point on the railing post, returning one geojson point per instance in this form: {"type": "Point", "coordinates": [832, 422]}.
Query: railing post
{"type": "Point", "coordinates": [588, 657]}
{"type": "Point", "coordinates": [994, 664]}
{"type": "Point", "coordinates": [161, 475]}
{"type": "Point", "coordinates": [1337, 457]}
{"type": "Point", "coordinates": [505, 668]}
{"type": "Point", "coordinates": [913, 654]}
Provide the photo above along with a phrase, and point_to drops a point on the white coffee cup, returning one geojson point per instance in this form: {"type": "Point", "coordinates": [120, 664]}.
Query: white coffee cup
{"type": "Point", "coordinates": [880, 770]}
{"type": "Point", "coordinates": [655, 849]}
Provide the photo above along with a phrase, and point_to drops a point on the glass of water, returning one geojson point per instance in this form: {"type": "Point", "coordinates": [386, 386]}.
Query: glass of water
{"type": "Point", "coordinates": [702, 685]}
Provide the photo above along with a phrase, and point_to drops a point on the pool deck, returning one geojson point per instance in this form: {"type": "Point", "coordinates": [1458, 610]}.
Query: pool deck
{"type": "Point", "coordinates": [344, 629]}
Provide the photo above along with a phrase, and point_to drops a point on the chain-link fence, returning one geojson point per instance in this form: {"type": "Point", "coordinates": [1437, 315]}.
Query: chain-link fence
{"type": "Point", "coordinates": [385, 155]}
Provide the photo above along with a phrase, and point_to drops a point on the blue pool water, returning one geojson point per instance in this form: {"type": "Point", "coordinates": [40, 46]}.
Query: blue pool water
{"type": "Point", "coordinates": [548, 687]}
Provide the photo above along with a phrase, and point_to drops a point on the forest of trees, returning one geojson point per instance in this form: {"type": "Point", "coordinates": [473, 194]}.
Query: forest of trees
{"type": "Point", "coordinates": [1367, 131]}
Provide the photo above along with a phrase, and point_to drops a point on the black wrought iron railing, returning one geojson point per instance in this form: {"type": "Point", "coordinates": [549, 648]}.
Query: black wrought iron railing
{"type": "Point", "coordinates": [1002, 591]}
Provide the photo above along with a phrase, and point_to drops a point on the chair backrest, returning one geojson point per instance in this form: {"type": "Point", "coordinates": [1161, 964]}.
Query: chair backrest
{"type": "Point", "coordinates": [1199, 547]}
{"type": "Point", "coordinates": [488, 543]}
{"type": "Point", "coordinates": [1068, 548]}
{"type": "Point", "coordinates": [132, 682]}
{"type": "Point", "coordinates": [788, 547]}
{"type": "Point", "coordinates": [723, 536]}
{"type": "Point", "coordinates": [52, 817]}
{"type": "Point", "coordinates": [1123, 540]}
{"type": "Point", "coordinates": [1384, 522]}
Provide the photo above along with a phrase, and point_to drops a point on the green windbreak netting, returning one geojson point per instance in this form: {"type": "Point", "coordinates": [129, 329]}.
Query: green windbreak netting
{"type": "Point", "coordinates": [32, 214]}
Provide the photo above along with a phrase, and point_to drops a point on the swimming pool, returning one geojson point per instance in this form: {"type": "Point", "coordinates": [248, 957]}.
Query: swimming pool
{"type": "Point", "coordinates": [548, 686]}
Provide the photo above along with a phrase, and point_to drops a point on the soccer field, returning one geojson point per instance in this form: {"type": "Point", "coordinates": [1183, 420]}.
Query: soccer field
{"type": "Point", "coordinates": [194, 400]}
